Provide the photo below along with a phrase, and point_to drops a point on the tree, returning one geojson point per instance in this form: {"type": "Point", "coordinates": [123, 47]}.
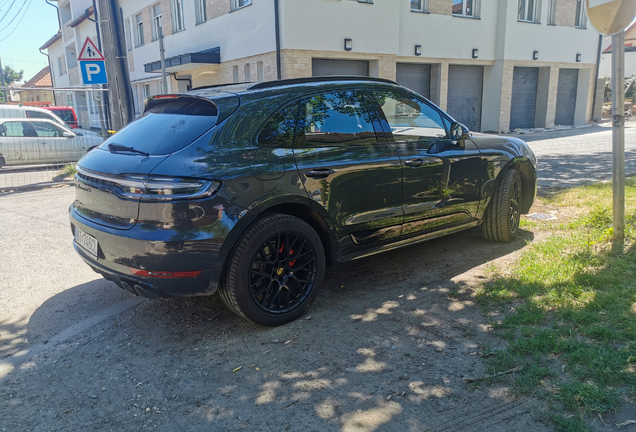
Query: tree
{"type": "Point", "coordinates": [11, 76]}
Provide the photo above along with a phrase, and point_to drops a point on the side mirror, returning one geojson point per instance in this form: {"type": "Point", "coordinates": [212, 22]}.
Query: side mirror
{"type": "Point", "coordinates": [458, 133]}
{"type": "Point", "coordinates": [68, 135]}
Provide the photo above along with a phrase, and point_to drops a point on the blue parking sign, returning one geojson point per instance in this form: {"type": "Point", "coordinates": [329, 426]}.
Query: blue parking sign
{"type": "Point", "coordinates": [93, 72]}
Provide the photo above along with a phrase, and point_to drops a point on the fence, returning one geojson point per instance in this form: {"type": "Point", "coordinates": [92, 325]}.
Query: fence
{"type": "Point", "coordinates": [37, 143]}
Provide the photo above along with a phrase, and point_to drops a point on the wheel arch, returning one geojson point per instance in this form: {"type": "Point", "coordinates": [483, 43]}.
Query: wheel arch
{"type": "Point", "coordinates": [528, 182]}
{"type": "Point", "coordinates": [3, 162]}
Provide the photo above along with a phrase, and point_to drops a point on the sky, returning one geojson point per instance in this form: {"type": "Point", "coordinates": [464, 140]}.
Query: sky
{"type": "Point", "coordinates": [21, 39]}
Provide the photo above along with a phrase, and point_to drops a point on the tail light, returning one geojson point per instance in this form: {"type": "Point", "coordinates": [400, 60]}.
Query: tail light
{"type": "Point", "coordinates": [154, 188]}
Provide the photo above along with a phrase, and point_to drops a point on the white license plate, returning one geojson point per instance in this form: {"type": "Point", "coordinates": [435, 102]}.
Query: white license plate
{"type": "Point", "coordinates": [86, 241]}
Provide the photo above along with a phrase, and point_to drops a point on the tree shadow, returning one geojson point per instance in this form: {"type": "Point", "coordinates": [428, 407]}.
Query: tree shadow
{"type": "Point", "coordinates": [385, 347]}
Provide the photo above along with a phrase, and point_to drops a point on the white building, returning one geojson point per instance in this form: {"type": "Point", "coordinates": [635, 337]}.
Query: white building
{"type": "Point", "coordinates": [630, 53]}
{"type": "Point", "coordinates": [494, 65]}
{"type": "Point", "coordinates": [63, 49]}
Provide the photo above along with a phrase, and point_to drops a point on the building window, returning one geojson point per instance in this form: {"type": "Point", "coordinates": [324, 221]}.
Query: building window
{"type": "Point", "coordinates": [527, 11]}
{"type": "Point", "coordinates": [157, 22]}
{"type": "Point", "coordinates": [139, 30]}
{"type": "Point", "coordinates": [60, 66]}
{"type": "Point", "coordinates": [200, 13]}
{"type": "Point", "coordinates": [248, 75]}
{"type": "Point", "coordinates": [552, 12]}
{"type": "Point", "coordinates": [145, 91]}
{"type": "Point", "coordinates": [365, 1]}
{"type": "Point", "coordinates": [419, 6]}
{"type": "Point", "coordinates": [127, 34]}
{"type": "Point", "coordinates": [178, 23]}
{"type": "Point", "coordinates": [237, 4]}
{"type": "Point", "coordinates": [465, 8]}
{"type": "Point", "coordinates": [580, 20]}
{"type": "Point", "coordinates": [235, 74]}
{"type": "Point", "coordinates": [260, 72]}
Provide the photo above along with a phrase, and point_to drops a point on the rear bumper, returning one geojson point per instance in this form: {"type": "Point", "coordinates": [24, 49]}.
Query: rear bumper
{"type": "Point", "coordinates": [121, 251]}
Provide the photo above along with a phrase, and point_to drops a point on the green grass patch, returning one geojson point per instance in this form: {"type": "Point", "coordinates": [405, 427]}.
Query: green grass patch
{"type": "Point", "coordinates": [573, 325]}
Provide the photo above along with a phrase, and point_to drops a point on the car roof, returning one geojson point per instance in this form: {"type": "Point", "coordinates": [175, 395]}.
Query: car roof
{"type": "Point", "coordinates": [299, 84]}
{"type": "Point", "coordinates": [29, 119]}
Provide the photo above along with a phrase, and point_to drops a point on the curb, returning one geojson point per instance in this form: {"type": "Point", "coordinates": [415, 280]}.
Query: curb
{"type": "Point", "coordinates": [35, 187]}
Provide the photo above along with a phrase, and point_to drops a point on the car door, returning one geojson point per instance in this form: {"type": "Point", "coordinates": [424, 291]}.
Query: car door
{"type": "Point", "coordinates": [54, 146]}
{"type": "Point", "coordinates": [440, 178]}
{"type": "Point", "coordinates": [18, 143]}
{"type": "Point", "coordinates": [351, 177]}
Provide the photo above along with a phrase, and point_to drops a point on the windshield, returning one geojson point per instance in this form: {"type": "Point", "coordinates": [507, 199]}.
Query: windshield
{"type": "Point", "coordinates": [167, 127]}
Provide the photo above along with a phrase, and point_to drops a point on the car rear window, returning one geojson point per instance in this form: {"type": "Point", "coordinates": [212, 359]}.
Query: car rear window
{"type": "Point", "coordinates": [167, 126]}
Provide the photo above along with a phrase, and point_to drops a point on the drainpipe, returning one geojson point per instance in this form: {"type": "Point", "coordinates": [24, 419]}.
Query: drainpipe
{"type": "Point", "coordinates": [52, 74]}
{"type": "Point", "coordinates": [59, 28]}
{"type": "Point", "coordinates": [183, 79]}
{"type": "Point", "coordinates": [598, 66]}
{"type": "Point", "coordinates": [59, 24]}
{"type": "Point", "coordinates": [277, 27]}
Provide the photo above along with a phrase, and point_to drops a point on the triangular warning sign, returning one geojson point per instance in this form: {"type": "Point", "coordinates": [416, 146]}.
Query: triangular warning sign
{"type": "Point", "coordinates": [90, 52]}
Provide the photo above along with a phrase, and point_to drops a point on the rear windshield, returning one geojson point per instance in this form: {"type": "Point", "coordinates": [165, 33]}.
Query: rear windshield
{"type": "Point", "coordinates": [167, 126]}
{"type": "Point", "coordinates": [66, 115]}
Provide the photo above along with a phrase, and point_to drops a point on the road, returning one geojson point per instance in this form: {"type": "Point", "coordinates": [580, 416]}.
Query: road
{"type": "Point", "coordinates": [386, 346]}
{"type": "Point", "coordinates": [581, 155]}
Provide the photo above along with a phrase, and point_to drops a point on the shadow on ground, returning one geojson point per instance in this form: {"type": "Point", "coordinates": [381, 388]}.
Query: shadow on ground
{"type": "Point", "coordinates": [385, 347]}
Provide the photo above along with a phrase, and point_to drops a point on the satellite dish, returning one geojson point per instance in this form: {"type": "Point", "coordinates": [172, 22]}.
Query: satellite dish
{"type": "Point", "coordinates": [610, 17]}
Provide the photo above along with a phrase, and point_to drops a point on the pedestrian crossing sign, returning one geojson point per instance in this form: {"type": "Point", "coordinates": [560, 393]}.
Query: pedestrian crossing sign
{"type": "Point", "coordinates": [90, 52]}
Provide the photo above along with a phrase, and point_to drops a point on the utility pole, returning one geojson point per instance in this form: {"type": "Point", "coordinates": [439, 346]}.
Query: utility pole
{"type": "Point", "coordinates": [162, 54]}
{"type": "Point", "coordinates": [3, 84]}
{"type": "Point", "coordinates": [618, 140]}
{"type": "Point", "coordinates": [120, 97]}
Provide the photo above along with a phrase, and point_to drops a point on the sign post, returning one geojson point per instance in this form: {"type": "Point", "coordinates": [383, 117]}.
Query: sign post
{"type": "Point", "coordinates": [92, 64]}
{"type": "Point", "coordinates": [611, 18]}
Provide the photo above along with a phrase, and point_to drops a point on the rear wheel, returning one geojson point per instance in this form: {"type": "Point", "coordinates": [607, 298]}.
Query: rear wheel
{"type": "Point", "coordinates": [275, 271]}
{"type": "Point", "coordinates": [502, 216]}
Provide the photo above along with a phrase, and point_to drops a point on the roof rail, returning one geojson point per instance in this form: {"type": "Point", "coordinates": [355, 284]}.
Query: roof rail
{"type": "Point", "coordinates": [308, 80]}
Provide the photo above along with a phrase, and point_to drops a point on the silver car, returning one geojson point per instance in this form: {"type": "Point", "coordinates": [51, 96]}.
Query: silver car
{"type": "Point", "coordinates": [40, 141]}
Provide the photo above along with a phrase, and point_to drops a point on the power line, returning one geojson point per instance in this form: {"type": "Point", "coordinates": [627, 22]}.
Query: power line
{"type": "Point", "coordinates": [28, 3]}
{"type": "Point", "coordinates": [5, 15]}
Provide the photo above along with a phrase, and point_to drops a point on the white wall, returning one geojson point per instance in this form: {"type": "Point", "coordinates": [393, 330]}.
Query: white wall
{"type": "Point", "coordinates": [245, 32]}
{"type": "Point", "coordinates": [606, 65]}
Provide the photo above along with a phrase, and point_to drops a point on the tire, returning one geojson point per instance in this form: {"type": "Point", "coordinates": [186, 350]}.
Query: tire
{"type": "Point", "coordinates": [275, 271]}
{"type": "Point", "coordinates": [502, 216]}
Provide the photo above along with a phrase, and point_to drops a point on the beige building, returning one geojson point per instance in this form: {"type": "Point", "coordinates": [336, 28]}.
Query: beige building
{"type": "Point", "coordinates": [39, 89]}
{"type": "Point", "coordinates": [494, 65]}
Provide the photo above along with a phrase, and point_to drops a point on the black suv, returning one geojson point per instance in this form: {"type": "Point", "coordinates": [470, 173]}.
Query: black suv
{"type": "Point", "coordinates": [255, 189]}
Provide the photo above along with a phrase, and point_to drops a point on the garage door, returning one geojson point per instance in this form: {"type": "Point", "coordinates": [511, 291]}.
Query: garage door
{"type": "Point", "coordinates": [465, 88]}
{"type": "Point", "coordinates": [339, 67]}
{"type": "Point", "coordinates": [524, 97]}
{"type": "Point", "coordinates": [566, 96]}
{"type": "Point", "coordinates": [416, 77]}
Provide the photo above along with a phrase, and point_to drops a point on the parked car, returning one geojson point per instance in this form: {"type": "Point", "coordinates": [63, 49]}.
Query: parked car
{"type": "Point", "coordinates": [66, 113]}
{"type": "Point", "coordinates": [15, 111]}
{"type": "Point", "coordinates": [33, 141]}
{"type": "Point", "coordinates": [253, 190]}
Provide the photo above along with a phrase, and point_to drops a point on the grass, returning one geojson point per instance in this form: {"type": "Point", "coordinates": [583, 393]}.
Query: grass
{"type": "Point", "coordinates": [573, 325]}
{"type": "Point", "coordinates": [68, 171]}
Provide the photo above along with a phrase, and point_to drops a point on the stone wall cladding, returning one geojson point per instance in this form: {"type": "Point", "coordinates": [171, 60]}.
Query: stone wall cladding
{"type": "Point", "coordinates": [131, 61]}
{"type": "Point", "coordinates": [216, 8]}
{"type": "Point", "coordinates": [166, 17]}
{"type": "Point", "coordinates": [146, 16]}
{"type": "Point", "coordinates": [440, 7]}
{"type": "Point", "coordinates": [565, 14]}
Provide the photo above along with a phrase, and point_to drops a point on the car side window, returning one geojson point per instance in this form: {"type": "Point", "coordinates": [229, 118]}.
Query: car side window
{"type": "Point", "coordinates": [410, 119]}
{"type": "Point", "coordinates": [36, 114]}
{"type": "Point", "coordinates": [337, 118]}
{"type": "Point", "coordinates": [280, 129]}
{"type": "Point", "coordinates": [16, 129]}
{"type": "Point", "coordinates": [47, 130]}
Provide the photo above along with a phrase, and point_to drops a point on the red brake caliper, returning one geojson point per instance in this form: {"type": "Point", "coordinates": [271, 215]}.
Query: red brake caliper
{"type": "Point", "coordinates": [291, 251]}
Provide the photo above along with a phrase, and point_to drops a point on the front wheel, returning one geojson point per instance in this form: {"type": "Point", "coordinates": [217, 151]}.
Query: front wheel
{"type": "Point", "coordinates": [502, 216]}
{"type": "Point", "coordinates": [275, 271]}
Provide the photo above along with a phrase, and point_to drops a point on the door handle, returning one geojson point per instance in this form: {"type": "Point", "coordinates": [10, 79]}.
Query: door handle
{"type": "Point", "coordinates": [414, 163]}
{"type": "Point", "coordinates": [319, 173]}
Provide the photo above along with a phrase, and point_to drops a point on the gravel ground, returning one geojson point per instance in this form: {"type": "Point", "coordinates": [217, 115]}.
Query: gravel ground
{"type": "Point", "coordinates": [386, 346]}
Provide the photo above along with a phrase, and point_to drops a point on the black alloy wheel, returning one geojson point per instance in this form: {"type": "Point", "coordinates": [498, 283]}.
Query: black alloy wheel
{"type": "Point", "coordinates": [503, 214]}
{"type": "Point", "coordinates": [275, 271]}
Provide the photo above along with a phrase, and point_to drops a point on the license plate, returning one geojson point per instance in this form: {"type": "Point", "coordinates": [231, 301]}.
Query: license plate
{"type": "Point", "coordinates": [87, 242]}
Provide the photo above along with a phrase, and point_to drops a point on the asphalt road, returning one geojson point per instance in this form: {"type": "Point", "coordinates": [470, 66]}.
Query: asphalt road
{"type": "Point", "coordinates": [581, 155]}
